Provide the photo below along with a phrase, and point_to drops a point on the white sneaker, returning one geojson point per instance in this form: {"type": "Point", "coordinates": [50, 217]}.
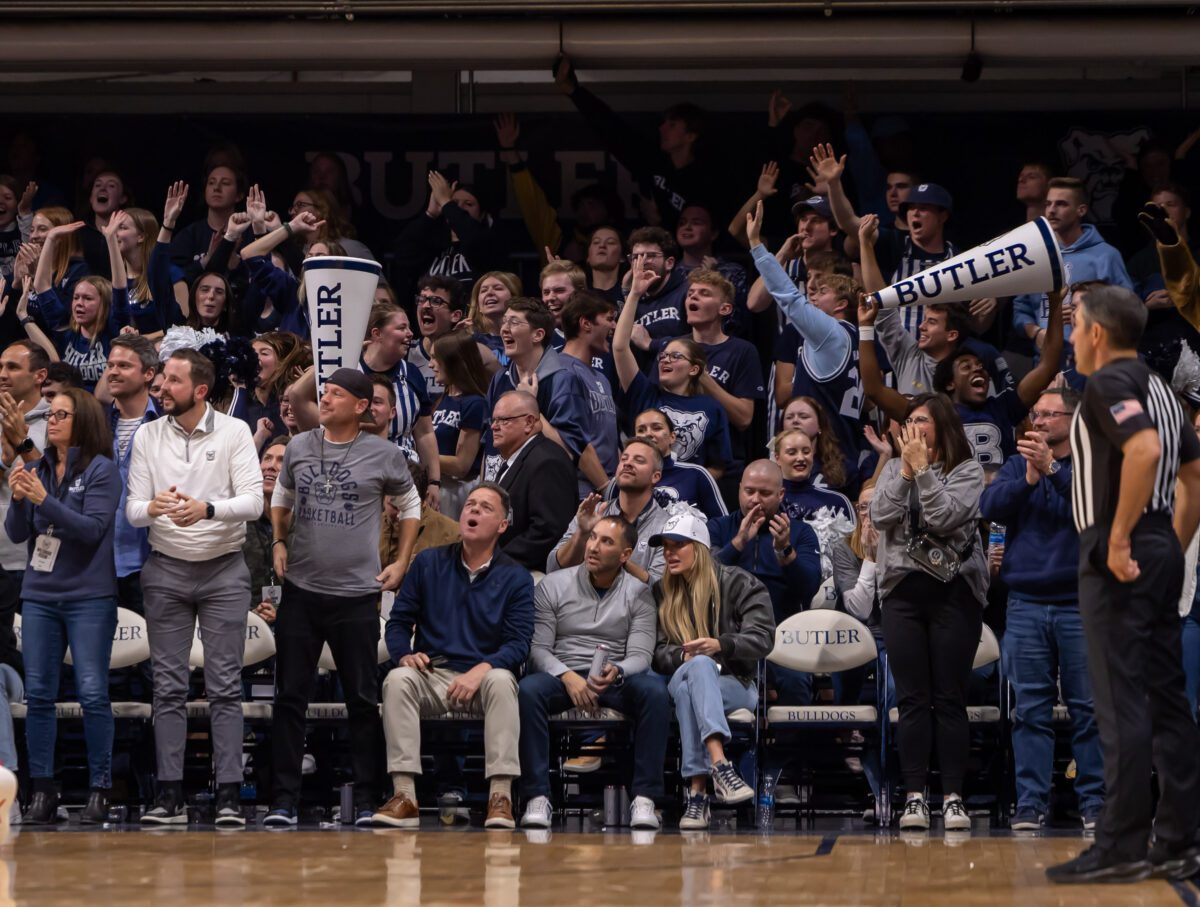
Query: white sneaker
{"type": "Point", "coordinates": [915, 815]}
{"type": "Point", "coordinates": [642, 815]}
{"type": "Point", "coordinates": [538, 813]}
{"type": "Point", "coordinates": [954, 815]}
{"type": "Point", "coordinates": [695, 814]}
{"type": "Point", "coordinates": [728, 785]}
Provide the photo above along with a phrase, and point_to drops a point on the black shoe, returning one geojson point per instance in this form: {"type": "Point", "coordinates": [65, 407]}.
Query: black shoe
{"type": "Point", "coordinates": [168, 809]}
{"type": "Point", "coordinates": [96, 811]}
{"type": "Point", "coordinates": [282, 815]}
{"type": "Point", "coordinates": [229, 807]}
{"type": "Point", "coordinates": [1174, 861]}
{"type": "Point", "coordinates": [43, 808]}
{"type": "Point", "coordinates": [1154, 219]}
{"type": "Point", "coordinates": [1097, 865]}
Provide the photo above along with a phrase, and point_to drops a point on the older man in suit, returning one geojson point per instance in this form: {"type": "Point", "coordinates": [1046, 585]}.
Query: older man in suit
{"type": "Point", "coordinates": [538, 476]}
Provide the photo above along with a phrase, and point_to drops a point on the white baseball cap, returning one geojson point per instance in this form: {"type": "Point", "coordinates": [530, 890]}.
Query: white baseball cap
{"type": "Point", "coordinates": [685, 526]}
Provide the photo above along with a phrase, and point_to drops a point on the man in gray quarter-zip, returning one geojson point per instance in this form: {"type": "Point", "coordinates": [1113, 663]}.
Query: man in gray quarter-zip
{"type": "Point", "coordinates": [576, 610]}
{"type": "Point", "coordinates": [194, 480]}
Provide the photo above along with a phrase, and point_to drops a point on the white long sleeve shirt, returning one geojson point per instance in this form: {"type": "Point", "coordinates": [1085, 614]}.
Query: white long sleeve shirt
{"type": "Point", "coordinates": [217, 463]}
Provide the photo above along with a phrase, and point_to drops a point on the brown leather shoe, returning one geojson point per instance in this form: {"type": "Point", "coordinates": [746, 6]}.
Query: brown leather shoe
{"type": "Point", "coordinates": [499, 812]}
{"type": "Point", "coordinates": [398, 812]}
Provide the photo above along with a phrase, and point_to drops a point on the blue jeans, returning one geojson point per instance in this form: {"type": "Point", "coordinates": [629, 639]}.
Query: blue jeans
{"type": "Point", "coordinates": [1044, 644]}
{"type": "Point", "coordinates": [47, 628]}
{"type": "Point", "coordinates": [11, 690]}
{"type": "Point", "coordinates": [643, 697]}
{"type": "Point", "coordinates": [703, 696]}
{"type": "Point", "coordinates": [1191, 656]}
{"type": "Point", "coordinates": [794, 687]}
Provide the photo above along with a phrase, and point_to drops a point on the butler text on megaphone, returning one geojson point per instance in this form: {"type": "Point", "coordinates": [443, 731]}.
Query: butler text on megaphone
{"type": "Point", "coordinates": [961, 274]}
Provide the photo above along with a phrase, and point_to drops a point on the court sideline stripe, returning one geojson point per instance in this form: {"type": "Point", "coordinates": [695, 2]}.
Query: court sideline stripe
{"type": "Point", "coordinates": [826, 846]}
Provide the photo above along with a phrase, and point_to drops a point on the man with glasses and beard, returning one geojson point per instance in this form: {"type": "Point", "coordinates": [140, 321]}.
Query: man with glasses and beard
{"type": "Point", "coordinates": [194, 480]}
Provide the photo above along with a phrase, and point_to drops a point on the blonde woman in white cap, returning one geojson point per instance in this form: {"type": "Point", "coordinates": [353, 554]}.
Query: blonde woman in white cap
{"type": "Point", "coordinates": [714, 624]}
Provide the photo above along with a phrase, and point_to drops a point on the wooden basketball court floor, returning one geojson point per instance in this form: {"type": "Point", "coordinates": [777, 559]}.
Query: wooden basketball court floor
{"type": "Point", "coordinates": [435, 866]}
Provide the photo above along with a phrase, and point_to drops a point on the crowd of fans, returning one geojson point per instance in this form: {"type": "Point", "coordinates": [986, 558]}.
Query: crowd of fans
{"type": "Point", "coordinates": [691, 434]}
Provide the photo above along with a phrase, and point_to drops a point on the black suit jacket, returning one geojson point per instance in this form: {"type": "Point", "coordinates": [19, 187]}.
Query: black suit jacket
{"type": "Point", "coordinates": [543, 488]}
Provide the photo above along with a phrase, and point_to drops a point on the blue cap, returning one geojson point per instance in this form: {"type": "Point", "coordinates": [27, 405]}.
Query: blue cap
{"type": "Point", "coordinates": [927, 194]}
{"type": "Point", "coordinates": [817, 204]}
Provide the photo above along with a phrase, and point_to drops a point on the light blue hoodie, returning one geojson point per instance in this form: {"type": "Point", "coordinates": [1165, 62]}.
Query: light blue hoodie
{"type": "Point", "coordinates": [1088, 258]}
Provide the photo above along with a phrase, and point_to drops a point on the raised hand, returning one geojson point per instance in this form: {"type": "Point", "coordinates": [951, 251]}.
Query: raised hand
{"type": "Point", "coordinates": [868, 311]}
{"type": "Point", "coordinates": [767, 179]}
{"type": "Point", "coordinates": [238, 223]}
{"type": "Point", "coordinates": [114, 222]}
{"type": "Point", "coordinates": [256, 206]}
{"type": "Point", "coordinates": [641, 281]}
{"type": "Point", "coordinates": [305, 223]}
{"type": "Point", "coordinates": [913, 449]}
{"type": "Point", "coordinates": [508, 130]}
{"type": "Point", "coordinates": [777, 108]}
{"type": "Point", "coordinates": [754, 221]}
{"type": "Point", "coordinates": [25, 205]}
{"type": "Point", "coordinates": [440, 190]}
{"type": "Point", "coordinates": [177, 194]}
{"type": "Point", "coordinates": [868, 230]}
{"type": "Point", "coordinates": [826, 164]}
{"type": "Point", "coordinates": [881, 446]}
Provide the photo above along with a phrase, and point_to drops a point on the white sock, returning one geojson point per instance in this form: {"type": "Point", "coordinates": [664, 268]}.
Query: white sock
{"type": "Point", "coordinates": [500, 784]}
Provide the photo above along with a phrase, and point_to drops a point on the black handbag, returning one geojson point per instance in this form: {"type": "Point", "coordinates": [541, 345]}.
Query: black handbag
{"type": "Point", "coordinates": [932, 554]}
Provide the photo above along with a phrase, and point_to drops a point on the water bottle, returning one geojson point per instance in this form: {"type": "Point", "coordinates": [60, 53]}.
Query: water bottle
{"type": "Point", "coordinates": [995, 537]}
{"type": "Point", "coordinates": [765, 808]}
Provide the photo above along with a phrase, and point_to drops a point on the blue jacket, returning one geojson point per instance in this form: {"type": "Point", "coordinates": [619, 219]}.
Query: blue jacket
{"type": "Point", "coordinates": [466, 623]}
{"type": "Point", "coordinates": [131, 545]}
{"type": "Point", "coordinates": [562, 399]}
{"type": "Point", "coordinates": [1041, 547]}
{"type": "Point", "coordinates": [83, 512]}
{"type": "Point", "coordinates": [792, 587]}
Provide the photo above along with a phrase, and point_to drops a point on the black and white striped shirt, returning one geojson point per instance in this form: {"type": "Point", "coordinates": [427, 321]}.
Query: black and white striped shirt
{"type": "Point", "coordinates": [1120, 400]}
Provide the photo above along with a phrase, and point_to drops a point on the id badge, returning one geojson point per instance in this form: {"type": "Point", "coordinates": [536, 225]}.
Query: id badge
{"type": "Point", "coordinates": [272, 594]}
{"type": "Point", "coordinates": [45, 553]}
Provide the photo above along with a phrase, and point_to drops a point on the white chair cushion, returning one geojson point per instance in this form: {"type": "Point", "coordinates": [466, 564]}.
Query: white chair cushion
{"type": "Point", "coordinates": [585, 715]}
{"type": "Point", "coordinates": [1061, 714]}
{"type": "Point", "coordinates": [976, 714]}
{"type": "Point", "coordinates": [740, 716]}
{"type": "Point", "coordinates": [988, 651]}
{"type": "Point", "coordinates": [131, 645]}
{"type": "Point", "coordinates": [822, 641]}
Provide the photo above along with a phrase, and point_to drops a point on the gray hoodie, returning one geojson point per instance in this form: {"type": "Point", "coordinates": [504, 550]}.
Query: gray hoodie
{"type": "Point", "coordinates": [571, 618]}
{"type": "Point", "coordinates": [949, 508]}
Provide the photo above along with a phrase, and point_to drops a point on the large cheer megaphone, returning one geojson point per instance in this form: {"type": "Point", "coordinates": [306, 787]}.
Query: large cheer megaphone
{"type": "Point", "coordinates": [1025, 260]}
{"type": "Point", "coordinates": [340, 292]}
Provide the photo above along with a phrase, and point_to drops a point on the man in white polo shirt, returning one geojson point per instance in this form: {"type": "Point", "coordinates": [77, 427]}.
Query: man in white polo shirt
{"type": "Point", "coordinates": [194, 480]}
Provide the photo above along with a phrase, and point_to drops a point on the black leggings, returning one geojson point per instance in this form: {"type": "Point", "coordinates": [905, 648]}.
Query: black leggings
{"type": "Point", "coordinates": [931, 630]}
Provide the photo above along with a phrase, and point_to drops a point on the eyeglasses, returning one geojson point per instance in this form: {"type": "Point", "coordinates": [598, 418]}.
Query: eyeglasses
{"type": "Point", "coordinates": [58, 415]}
{"type": "Point", "coordinates": [646, 256]}
{"type": "Point", "coordinates": [513, 323]}
{"type": "Point", "coordinates": [671, 356]}
{"type": "Point", "coordinates": [863, 509]}
{"type": "Point", "coordinates": [302, 206]}
{"type": "Point", "coordinates": [501, 420]}
{"type": "Point", "coordinates": [918, 420]}
{"type": "Point", "coordinates": [1036, 414]}
{"type": "Point", "coordinates": [428, 299]}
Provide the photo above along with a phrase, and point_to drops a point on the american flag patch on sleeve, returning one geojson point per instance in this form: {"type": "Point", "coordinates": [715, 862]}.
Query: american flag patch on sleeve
{"type": "Point", "coordinates": [1125, 410]}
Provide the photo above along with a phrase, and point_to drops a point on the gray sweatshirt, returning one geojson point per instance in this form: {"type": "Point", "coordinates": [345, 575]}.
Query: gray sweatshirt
{"type": "Point", "coordinates": [571, 618]}
{"type": "Point", "coordinates": [912, 366]}
{"type": "Point", "coordinates": [949, 508]}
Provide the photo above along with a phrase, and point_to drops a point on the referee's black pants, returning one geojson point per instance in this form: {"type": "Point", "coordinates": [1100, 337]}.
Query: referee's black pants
{"type": "Point", "coordinates": [932, 630]}
{"type": "Point", "coordinates": [350, 625]}
{"type": "Point", "coordinates": [1135, 662]}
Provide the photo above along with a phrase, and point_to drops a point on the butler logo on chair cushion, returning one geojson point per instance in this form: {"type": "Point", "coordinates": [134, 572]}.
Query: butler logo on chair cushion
{"type": "Point", "coordinates": [260, 643]}
{"type": "Point", "coordinates": [822, 641]}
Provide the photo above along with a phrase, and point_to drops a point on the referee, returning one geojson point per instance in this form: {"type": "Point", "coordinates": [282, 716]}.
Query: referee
{"type": "Point", "coordinates": [1130, 443]}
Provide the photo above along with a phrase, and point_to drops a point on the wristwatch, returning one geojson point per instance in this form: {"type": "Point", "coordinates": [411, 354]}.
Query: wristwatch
{"type": "Point", "coordinates": [25, 446]}
{"type": "Point", "coordinates": [1055, 466]}
{"type": "Point", "coordinates": [209, 511]}
{"type": "Point", "coordinates": [786, 553]}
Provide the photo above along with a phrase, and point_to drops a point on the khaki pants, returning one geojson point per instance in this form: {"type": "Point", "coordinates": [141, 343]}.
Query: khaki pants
{"type": "Point", "coordinates": [409, 695]}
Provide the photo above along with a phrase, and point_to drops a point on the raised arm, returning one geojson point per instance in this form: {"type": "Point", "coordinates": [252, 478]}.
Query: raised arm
{"type": "Point", "coordinates": [303, 224]}
{"type": "Point", "coordinates": [1048, 366]}
{"type": "Point", "coordinates": [623, 357]}
{"type": "Point", "coordinates": [829, 169]}
{"type": "Point", "coordinates": [43, 277]}
{"type": "Point", "coordinates": [763, 191]}
{"type": "Point", "coordinates": [893, 403]}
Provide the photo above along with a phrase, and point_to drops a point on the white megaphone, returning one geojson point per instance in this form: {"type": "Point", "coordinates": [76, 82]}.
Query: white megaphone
{"type": "Point", "coordinates": [340, 292]}
{"type": "Point", "coordinates": [1025, 260]}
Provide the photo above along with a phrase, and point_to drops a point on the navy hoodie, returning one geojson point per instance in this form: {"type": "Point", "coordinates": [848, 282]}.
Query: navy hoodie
{"type": "Point", "coordinates": [83, 512]}
{"type": "Point", "coordinates": [1041, 547]}
{"type": "Point", "coordinates": [464, 622]}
